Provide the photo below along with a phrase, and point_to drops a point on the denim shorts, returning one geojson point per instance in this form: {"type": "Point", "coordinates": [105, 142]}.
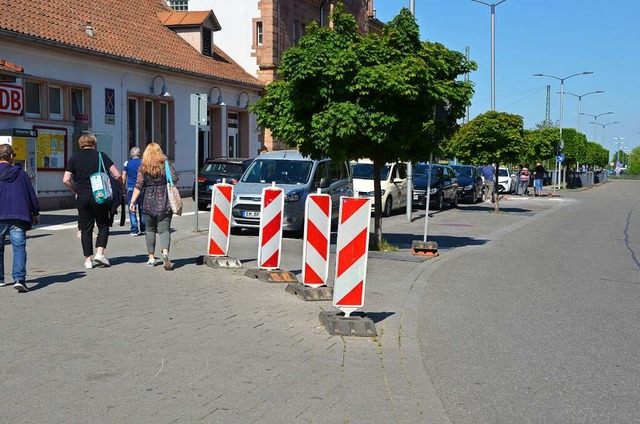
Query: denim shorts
{"type": "Point", "coordinates": [537, 184]}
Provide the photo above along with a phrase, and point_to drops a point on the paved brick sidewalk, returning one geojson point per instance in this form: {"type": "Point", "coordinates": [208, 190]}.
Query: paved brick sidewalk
{"type": "Point", "coordinates": [134, 344]}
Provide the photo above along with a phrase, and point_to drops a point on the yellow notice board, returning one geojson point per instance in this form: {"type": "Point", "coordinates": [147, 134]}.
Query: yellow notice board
{"type": "Point", "coordinates": [19, 145]}
{"type": "Point", "coordinates": [51, 146]}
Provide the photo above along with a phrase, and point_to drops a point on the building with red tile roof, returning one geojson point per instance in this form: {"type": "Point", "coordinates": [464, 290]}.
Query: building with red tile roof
{"type": "Point", "coordinates": [102, 66]}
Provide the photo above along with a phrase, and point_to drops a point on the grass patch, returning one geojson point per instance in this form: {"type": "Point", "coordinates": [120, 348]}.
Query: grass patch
{"type": "Point", "coordinates": [385, 246]}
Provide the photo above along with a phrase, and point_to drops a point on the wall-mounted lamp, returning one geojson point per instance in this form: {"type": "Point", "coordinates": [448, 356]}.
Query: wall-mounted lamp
{"type": "Point", "coordinates": [163, 90]}
{"type": "Point", "coordinates": [218, 99]}
{"type": "Point", "coordinates": [240, 97]}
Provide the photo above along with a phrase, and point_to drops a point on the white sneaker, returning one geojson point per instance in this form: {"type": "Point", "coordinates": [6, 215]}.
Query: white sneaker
{"type": "Point", "coordinates": [151, 262]}
{"type": "Point", "coordinates": [20, 286]}
{"type": "Point", "coordinates": [88, 264]}
{"type": "Point", "coordinates": [101, 259]}
{"type": "Point", "coordinates": [5, 284]}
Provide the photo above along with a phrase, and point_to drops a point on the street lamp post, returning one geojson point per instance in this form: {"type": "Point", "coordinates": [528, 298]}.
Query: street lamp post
{"type": "Point", "coordinates": [493, 48]}
{"type": "Point", "coordinates": [409, 208]}
{"type": "Point", "coordinates": [561, 142]}
{"type": "Point", "coordinates": [595, 119]}
{"type": "Point", "coordinates": [580, 103]}
{"type": "Point", "coordinates": [604, 126]}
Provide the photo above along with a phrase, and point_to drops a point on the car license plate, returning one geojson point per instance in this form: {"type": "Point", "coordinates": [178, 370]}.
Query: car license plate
{"type": "Point", "coordinates": [415, 197]}
{"type": "Point", "coordinates": [250, 214]}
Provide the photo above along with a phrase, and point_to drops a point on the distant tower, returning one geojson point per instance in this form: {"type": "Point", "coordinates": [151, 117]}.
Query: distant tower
{"type": "Point", "coordinates": [547, 116]}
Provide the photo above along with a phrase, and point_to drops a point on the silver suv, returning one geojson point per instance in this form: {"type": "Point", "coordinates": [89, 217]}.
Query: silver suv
{"type": "Point", "coordinates": [297, 176]}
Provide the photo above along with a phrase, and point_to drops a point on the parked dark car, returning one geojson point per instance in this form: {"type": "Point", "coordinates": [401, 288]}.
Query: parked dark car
{"type": "Point", "coordinates": [444, 186]}
{"type": "Point", "coordinates": [470, 182]}
{"type": "Point", "coordinates": [214, 171]}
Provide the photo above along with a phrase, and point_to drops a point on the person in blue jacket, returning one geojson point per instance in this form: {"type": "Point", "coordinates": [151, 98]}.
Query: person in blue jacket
{"type": "Point", "coordinates": [129, 175]}
{"type": "Point", "coordinates": [19, 209]}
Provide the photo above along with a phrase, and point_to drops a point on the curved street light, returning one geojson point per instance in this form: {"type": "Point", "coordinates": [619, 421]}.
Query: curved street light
{"type": "Point", "coordinates": [493, 48]}
{"type": "Point", "coordinates": [603, 128]}
{"type": "Point", "coordinates": [580, 96]}
{"type": "Point", "coordinates": [595, 118]}
{"type": "Point", "coordinates": [561, 112]}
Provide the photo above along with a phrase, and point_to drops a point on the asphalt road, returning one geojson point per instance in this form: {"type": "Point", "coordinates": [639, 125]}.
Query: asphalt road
{"type": "Point", "coordinates": [542, 325]}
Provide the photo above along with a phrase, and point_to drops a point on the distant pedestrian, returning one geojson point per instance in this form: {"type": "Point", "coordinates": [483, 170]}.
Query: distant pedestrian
{"type": "Point", "coordinates": [19, 209]}
{"type": "Point", "coordinates": [488, 172]}
{"type": "Point", "coordinates": [80, 167]}
{"type": "Point", "coordinates": [152, 181]}
{"type": "Point", "coordinates": [129, 175]}
{"type": "Point", "coordinates": [517, 184]}
{"type": "Point", "coordinates": [538, 178]}
{"type": "Point", "coordinates": [525, 175]}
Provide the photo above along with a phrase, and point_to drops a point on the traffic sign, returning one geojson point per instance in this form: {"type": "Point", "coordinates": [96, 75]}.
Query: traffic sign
{"type": "Point", "coordinates": [317, 234]}
{"type": "Point", "coordinates": [270, 235]}
{"type": "Point", "coordinates": [560, 158]}
{"type": "Point", "coordinates": [198, 109]}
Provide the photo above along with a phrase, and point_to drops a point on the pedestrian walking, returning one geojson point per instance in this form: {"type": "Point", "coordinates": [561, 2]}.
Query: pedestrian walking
{"type": "Point", "coordinates": [80, 166]}
{"type": "Point", "coordinates": [19, 209]}
{"type": "Point", "coordinates": [129, 175]}
{"type": "Point", "coordinates": [525, 175]}
{"type": "Point", "coordinates": [152, 181]}
{"type": "Point", "coordinates": [538, 177]}
{"type": "Point", "coordinates": [488, 172]}
{"type": "Point", "coordinates": [516, 187]}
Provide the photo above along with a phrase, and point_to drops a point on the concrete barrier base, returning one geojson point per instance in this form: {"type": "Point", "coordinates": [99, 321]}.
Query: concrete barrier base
{"type": "Point", "coordinates": [307, 293]}
{"type": "Point", "coordinates": [222, 262]}
{"type": "Point", "coordinates": [355, 325]}
{"type": "Point", "coordinates": [271, 275]}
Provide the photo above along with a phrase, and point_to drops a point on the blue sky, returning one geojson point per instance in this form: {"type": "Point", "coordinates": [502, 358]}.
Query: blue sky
{"type": "Point", "coordinates": [554, 37]}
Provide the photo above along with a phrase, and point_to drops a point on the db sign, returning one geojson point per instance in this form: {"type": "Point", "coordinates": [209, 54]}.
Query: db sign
{"type": "Point", "coordinates": [11, 99]}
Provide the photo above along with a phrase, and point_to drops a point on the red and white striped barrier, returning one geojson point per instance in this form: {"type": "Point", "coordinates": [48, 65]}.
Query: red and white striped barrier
{"type": "Point", "coordinates": [351, 257]}
{"type": "Point", "coordinates": [270, 238]}
{"type": "Point", "coordinates": [317, 230]}
{"type": "Point", "coordinates": [220, 219]}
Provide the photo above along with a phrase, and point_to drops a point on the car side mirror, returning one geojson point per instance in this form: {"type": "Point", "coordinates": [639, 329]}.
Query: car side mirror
{"type": "Point", "coordinates": [325, 182]}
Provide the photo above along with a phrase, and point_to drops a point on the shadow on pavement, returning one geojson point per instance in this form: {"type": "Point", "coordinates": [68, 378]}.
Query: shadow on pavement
{"type": "Point", "coordinates": [403, 241]}
{"type": "Point", "coordinates": [376, 317]}
{"type": "Point", "coordinates": [42, 282]}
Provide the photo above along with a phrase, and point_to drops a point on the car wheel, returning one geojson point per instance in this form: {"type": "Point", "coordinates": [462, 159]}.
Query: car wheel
{"type": "Point", "coordinates": [441, 201]}
{"type": "Point", "coordinates": [387, 206]}
{"type": "Point", "coordinates": [474, 197]}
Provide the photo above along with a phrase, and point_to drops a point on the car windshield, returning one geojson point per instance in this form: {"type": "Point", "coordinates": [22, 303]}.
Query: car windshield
{"type": "Point", "coordinates": [503, 172]}
{"type": "Point", "coordinates": [279, 170]}
{"type": "Point", "coordinates": [222, 168]}
{"type": "Point", "coordinates": [421, 170]}
{"type": "Point", "coordinates": [463, 172]}
{"type": "Point", "coordinates": [364, 171]}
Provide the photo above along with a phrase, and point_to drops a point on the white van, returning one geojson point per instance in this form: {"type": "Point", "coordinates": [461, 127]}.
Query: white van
{"type": "Point", "coordinates": [393, 183]}
{"type": "Point", "coordinates": [297, 176]}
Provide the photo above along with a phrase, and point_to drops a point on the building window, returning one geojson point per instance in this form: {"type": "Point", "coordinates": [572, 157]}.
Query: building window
{"type": "Point", "coordinates": [207, 42]}
{"type": "Point", "coordinates": [148, 121]}
{"type": "Point", "coordinates": [296, 33]}
{"type": "Point", "coordinates": [151, 119]}
{"type": "Point", "coordinates": [179, 5]}
{"type": "Point", "coordinates": [77, 102]}
{"type": "Point", "coordinates": [132, 123]}
{"type": "Point", "coordinates": [259, 33]}
{"type": "Point", "coordinates": [56, 108]}
{"type": "Point", "coordinates": [32, 94]}
{"type": "Point", "coordinates": [164, 127]}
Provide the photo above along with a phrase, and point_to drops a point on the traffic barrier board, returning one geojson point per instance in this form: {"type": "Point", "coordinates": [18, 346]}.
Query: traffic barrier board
{"type": "Point", "coordinates": [317, 231]}
{"type": "Point", "coordinates": [220, 219]}
{"type": "Point", "coordinates": [270, 237]}
{"type": "Point", "coordinates": [352, 249]}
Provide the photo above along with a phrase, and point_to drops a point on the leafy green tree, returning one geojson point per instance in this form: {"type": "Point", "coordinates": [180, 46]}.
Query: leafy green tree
{"type": "Point", "coordinates": [540, 144]}
{"type": "Point", "coordinates": [596, 155]}
{"type": "Point", "coordinates": [493, 137]}
{"type": "Point", "coordinates": [634, 161]}
{"type": "Point", "coordinates": [575, 147]}
{"type": "Point", "coordinates": [384, 97]}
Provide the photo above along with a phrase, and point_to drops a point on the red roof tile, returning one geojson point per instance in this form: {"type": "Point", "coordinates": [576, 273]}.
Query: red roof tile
{"type": "Point", "coordinates": [129, 30]}
{"type": "Point", "coordinates": [183, 18]}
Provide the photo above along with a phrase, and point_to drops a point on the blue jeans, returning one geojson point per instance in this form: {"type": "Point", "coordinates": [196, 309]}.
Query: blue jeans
{"type": "Point", "coordinates": [18, 236]}
{"type": "Point", "coordinates": [133, 217]}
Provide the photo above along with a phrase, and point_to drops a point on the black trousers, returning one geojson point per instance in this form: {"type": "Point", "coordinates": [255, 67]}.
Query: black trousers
{"type": "Point", "coordinates": [90, 213]}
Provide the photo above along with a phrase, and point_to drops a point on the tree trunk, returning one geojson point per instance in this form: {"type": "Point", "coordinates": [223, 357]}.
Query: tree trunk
{"type": "Point", "coordinates": [377, 166]}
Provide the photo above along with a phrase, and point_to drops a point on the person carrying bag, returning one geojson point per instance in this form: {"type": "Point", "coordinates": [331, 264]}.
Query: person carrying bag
{"type": "Point", "coordinates": [101, 184]}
